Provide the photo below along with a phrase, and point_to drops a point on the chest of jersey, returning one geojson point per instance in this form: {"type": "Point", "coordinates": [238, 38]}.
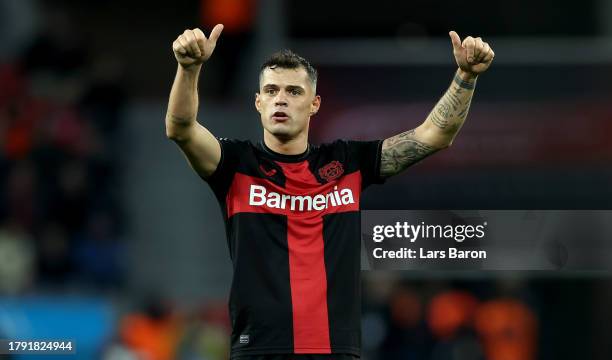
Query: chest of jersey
{"type": "Point", "coordinates": [295, 189]}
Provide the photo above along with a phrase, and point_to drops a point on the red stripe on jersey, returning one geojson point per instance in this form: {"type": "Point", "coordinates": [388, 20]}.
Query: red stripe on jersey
{"type": "Point", "coordinates": [307, 270]}
{"type": "Point", "coordinates": [308, 285]}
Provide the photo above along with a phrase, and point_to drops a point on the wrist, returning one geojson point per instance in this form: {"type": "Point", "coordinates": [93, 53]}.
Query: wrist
{"type": "Point", "coordinates": [464, 79]}
{"type": "Point", "coordinates": [466, 75]}
{"type": "Point", "coordinates": [191, 69]}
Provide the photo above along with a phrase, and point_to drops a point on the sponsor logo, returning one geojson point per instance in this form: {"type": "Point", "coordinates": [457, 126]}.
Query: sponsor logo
{"type": "Point", "coordinates": [331, 171]}
{"type": "Point", "coordinates": [244, 339]}
{"type": "Point", "coordinates": [259, 196]}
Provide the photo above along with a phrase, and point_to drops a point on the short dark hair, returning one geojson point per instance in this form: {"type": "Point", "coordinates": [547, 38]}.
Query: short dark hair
{"type": "Point", "coordinates": [287, 59]}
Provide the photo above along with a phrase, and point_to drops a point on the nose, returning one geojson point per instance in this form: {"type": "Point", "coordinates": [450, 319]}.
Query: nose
{"type": "Point", "coordinates": [281, 99]}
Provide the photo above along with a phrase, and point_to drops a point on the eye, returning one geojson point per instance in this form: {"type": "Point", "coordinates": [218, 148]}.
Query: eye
{"type": "Point", "coordinates": [295, 92]}
{"type": "Point", "coordinates": [270, 91]}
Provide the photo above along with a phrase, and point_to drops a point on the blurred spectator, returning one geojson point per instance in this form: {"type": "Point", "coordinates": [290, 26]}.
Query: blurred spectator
{"type": "Point", "coordinates": [450, 319]}
{"type": "Point", "coordinates": [508, 329]}
{"type": "Point", "coordinates": [449, 312]}
{"type": "Point", "coordinates": [207, 335]}
{"type": "Point", "coordinates": [423, 320]}
{"type": "Point", "coordinates": [408, 336]}
{"type": "Point", "coordinates": [153, 334]}
{"type": "Point", "coordinates": [59, 117]}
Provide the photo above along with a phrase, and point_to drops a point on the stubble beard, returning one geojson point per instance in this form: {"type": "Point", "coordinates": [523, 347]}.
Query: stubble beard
{"type": "Point", "coordinates": [283, 133]}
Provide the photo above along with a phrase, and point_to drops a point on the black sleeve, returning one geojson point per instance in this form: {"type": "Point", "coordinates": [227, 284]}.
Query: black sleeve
{"type": "Point", "coordinates": [221, 179]}
{"type": "Point", "coordinates": [367, 155]}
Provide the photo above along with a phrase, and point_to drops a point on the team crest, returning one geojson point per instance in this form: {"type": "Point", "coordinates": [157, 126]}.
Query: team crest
{"type": "Point", "coordinates": [331, 171]}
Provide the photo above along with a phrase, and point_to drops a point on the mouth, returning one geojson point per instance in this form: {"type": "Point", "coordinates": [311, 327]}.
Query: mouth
{"type": "Point", "coordinates": [280, 116]}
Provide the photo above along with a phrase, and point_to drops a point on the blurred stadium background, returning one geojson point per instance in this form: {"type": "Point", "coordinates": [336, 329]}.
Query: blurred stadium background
{"type": "Point", "coordinates": [108, 238]}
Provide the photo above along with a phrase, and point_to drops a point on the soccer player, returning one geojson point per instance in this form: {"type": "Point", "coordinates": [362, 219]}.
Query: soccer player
{"type": "Point", "coordinates": [291, 208]}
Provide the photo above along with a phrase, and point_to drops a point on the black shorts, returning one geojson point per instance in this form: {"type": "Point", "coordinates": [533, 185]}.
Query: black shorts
{"type": "Point", "coordinates": [298, 357]}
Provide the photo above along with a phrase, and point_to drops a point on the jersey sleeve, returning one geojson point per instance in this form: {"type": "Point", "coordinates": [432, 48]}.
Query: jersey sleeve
{"type": "Point", "coordinates": [221, 179]}
{"type": "Point", "coordinates": [367, 155]}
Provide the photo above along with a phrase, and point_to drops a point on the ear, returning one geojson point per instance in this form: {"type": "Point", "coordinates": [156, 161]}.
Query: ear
{"type": "Point", "coordinates": [315, 105]}
{"type": "Point", "coordinates": [257, 102]}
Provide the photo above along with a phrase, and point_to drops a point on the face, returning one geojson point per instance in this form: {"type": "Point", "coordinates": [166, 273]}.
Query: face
{"type": "Point", "coordinates": [286, 101]}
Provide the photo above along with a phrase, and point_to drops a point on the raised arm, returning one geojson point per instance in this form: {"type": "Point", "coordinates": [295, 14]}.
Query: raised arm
{"type": "Point", "coordinates": [439, 129]}
{"type": "Point", "coordinates": [200, 147]}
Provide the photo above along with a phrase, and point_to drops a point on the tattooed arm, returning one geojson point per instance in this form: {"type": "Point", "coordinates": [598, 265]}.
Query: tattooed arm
{"type": "Point", "coordinates": [437, 132]}
{"type": "Point", "coordinates": [443, 123]}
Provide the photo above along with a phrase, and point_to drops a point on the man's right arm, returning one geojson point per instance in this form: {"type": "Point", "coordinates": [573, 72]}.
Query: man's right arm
{"type": "Point", "coordinates": [200, 147]}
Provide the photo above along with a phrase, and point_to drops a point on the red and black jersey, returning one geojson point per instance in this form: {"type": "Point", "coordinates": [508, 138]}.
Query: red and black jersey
{"type": "Point", "coordinates": [293, 231]}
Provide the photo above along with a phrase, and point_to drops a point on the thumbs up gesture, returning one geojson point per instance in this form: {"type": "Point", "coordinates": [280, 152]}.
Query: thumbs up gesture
{"type": "Point", "coordinates": [473, 55]}
{"type": "Point", "coordinates": [192, 47]}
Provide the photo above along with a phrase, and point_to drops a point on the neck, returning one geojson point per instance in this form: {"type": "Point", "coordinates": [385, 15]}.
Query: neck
{"type": "Point", "coordinates": [294, 146]}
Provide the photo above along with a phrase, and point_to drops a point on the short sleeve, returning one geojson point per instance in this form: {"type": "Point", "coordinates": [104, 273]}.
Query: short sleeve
{"type": "Point", "coordinates": [367, 155]}
{"type": "Point", "coordinates": [221, 179]}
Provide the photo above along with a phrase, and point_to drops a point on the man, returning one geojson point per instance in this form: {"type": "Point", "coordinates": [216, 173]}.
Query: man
{"type": "Point", "coordinates": [291, 208]}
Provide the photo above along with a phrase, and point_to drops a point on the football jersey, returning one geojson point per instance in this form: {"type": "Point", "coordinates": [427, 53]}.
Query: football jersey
{"type": "Point", "coordinates": [293, 232]}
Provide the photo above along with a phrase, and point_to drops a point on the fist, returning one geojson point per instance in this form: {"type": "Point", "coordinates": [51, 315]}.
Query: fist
{"type": "Point", "coordinates": [192, 47]}
{"type": "Point", "coordinates": [473, 55]}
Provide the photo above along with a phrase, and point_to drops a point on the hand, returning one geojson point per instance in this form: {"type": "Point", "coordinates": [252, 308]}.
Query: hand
{"type": "Point", "coordinates": [473, 56]}
{"type": "Point", "coordinates": [192, 47]}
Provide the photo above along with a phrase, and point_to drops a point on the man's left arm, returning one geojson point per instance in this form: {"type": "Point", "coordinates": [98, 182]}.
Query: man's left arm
{"type": "Point", "coordinates": [473, 56]}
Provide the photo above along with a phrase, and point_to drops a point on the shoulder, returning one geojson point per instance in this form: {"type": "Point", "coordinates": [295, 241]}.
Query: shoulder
{"type": "Point", "coordinates": [233, 151]}
{"type": "Point", "coordinates": [340, 150]}
{"type": "Point", "coordinates": [235, 142]}
{"type": "Point", "coordinates": [236, 146]}
{"type": "Point", "coordinates": [351, 146]}
{"type": "Point", "coordinates": [333, 145]}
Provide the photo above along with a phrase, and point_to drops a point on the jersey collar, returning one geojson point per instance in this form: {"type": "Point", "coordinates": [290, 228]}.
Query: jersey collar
{"type": "Point", "coordinates": [283, 157]}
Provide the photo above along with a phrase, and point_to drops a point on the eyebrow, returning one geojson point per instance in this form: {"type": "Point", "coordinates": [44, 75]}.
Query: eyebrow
{"type": "Point", "coordinates": [290, 87]}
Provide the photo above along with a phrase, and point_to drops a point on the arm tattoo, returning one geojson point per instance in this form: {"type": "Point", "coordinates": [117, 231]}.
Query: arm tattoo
{"type": "Point", "coordinates": [464, 84]}
{"type": "Point", "coordinates": [441, 114]}
{"type": "Point", "coordinates": [450, 112]}
{"type": "Point", "coordinates": [405, 149]}
{"type": "Point", "coordinates": [401, 151]}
